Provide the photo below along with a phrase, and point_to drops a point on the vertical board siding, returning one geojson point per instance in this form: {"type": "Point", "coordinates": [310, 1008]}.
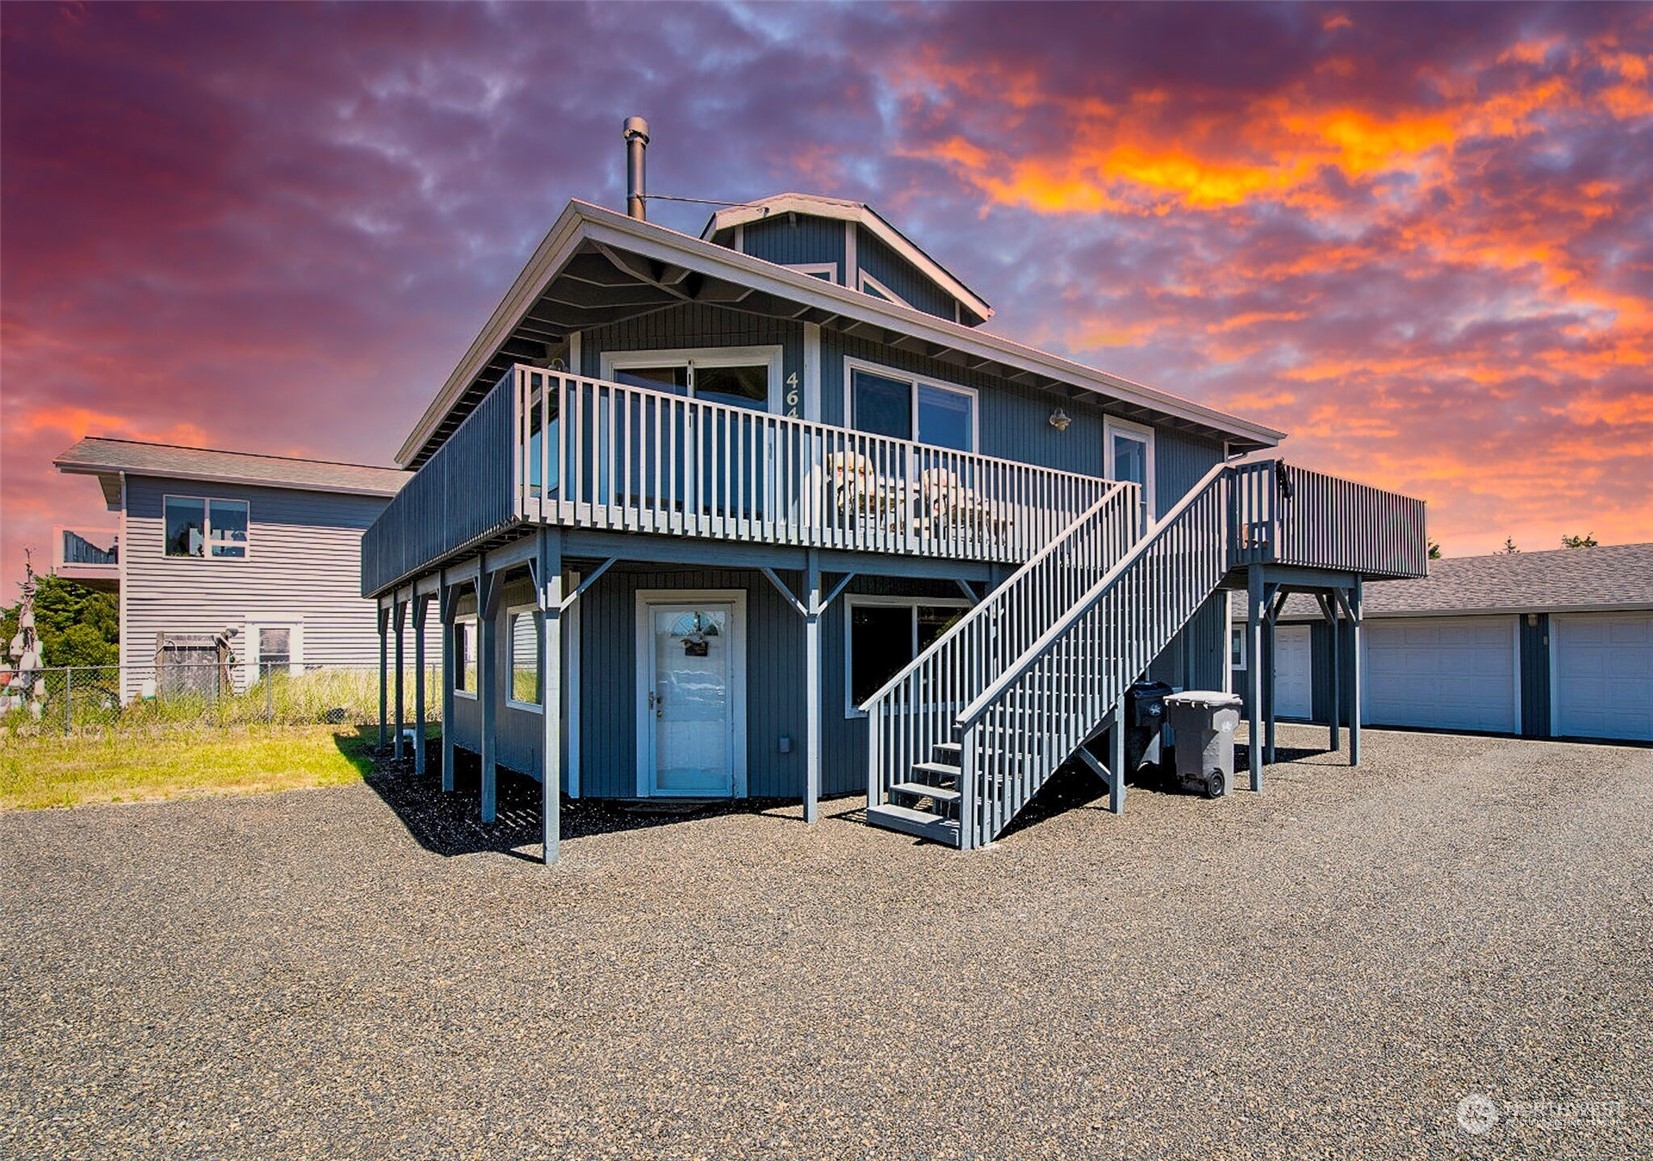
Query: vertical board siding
{"type": "Point", "coordinates": [795, 239]}
{"type": "Point", "coordinates": [901, 276]}
{"type": "Point", "coordinates": [303, 563]}
{"type": "Point", "coordinates": [1180, 462]}
{"type": "Point", "coordinates": [609, 665]}
{"type": "Point", "coordinates": [1535, 677]}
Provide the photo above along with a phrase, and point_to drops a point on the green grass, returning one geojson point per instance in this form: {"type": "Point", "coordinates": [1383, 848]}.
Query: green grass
{"type": "Point", "coordinates": [131, 765]}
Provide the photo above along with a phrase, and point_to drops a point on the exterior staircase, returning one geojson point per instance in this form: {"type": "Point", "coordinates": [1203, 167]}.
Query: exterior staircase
{"type": "Point", "coordinates": [962, 739]}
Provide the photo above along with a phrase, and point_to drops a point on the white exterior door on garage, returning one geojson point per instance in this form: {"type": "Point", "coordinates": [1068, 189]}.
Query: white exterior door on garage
{"type": "Point", "coordinates": [1442, 673]}
{"type": "Point", "coordinates": [1293, 672]}
{"type": "Point", "coordinates": [1601, 682]}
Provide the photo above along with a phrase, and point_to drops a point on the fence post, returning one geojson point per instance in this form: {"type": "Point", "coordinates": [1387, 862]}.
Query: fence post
{"type": "Point", "coordinates": [269, 696]}
{"type": "Point", "coordinates": [68, 698]}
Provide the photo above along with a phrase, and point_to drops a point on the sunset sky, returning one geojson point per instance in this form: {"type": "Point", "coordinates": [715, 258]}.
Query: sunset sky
{"type": "Point", "coordinates": [1419, 239]}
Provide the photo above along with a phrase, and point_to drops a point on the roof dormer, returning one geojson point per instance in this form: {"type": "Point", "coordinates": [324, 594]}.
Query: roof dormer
{"type": "Point", "coordinates": [846, 243]}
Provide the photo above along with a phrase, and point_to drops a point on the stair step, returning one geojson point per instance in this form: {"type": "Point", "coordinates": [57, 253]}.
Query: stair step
{"type": "Point", "coordinates": [937, 770]}
{"type": "Point", "coordinates": [924, 790]}
{"type": "Point", "coordinates": [915, 822]}
{"type": "Point", "coordinates": [951, 750]}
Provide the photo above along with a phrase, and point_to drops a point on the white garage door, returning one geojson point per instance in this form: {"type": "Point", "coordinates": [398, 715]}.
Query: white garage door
{"type": "Point", "coordinates": [1441, 674]}
{"type": "Point", "coordinates": [1293, 680]}
{"type": "Point", "coordinates": [1603, 677]}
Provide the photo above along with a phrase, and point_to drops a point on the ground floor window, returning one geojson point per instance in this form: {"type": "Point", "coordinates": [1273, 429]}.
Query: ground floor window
{"type": "Point", "coordinates": [884, 634]}
{"type": "Point", "coordinates": [523, 646]}
{"type": "Point", "coordinates": [1236, 647]}
{"type": "Point", "coordinates": [464, 655]}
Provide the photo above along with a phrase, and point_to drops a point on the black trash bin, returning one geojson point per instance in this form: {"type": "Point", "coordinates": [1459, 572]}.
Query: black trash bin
{"type": "Point", "coordinates": [1144, 722]}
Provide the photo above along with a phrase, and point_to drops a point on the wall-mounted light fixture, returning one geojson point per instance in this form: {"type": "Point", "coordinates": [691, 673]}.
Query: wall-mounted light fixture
{"type": "Point", "coordinates": [1059, 419]}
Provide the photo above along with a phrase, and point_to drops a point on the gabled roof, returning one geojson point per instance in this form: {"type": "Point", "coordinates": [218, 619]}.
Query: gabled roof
{"type": "Point", "coordinates": [1616, 576]}
{"type": "Point", "coordinates": [106, 457]}
{"type": "Point", "coordinates": [635, 266]}
{"type": "Point", "coordinates": [868, 218]}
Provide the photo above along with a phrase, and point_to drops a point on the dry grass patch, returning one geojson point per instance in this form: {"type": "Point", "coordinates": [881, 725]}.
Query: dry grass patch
{"type": "Point", "coordinates": [131, 765]}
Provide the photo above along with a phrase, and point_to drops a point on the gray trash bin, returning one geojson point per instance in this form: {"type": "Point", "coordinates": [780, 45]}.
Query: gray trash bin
{"type": "Point", "coordinates": [1204, 721]}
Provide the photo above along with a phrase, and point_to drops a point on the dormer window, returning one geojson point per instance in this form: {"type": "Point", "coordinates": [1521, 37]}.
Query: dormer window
{"type": "Point", "coordinates": [825, 271]}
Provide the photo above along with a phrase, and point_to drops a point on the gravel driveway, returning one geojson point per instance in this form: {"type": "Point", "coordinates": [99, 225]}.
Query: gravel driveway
{"type": "Point", "coordinates": [1322, 970]}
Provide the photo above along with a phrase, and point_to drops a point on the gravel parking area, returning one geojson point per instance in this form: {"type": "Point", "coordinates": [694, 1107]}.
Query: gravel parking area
{"type": "Point", "coordinates": [1326, 969]}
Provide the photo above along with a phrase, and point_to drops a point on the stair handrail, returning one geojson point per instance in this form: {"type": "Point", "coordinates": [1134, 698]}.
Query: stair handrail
{"type": "Point", "coordinates": [923, 696]}
{"type": "Point", "coordinates": [1122, 622]}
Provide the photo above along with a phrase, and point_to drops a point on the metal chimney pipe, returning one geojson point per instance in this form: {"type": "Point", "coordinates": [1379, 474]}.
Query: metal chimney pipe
{"type": "Point", "coordinates": [637, 142]}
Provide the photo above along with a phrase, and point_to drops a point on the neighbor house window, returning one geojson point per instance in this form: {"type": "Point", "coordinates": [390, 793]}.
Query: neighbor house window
{"type": "Point", "coordinates": [1236, 647]}
{"type": "Point", "coordinates": [887, 402]}
{"type": "Point", "coordinates": [884, 634]}
{"type": "Point", "coordinates": [196, 526]}
{"type": "Point", "coordinates": [523, 648]}
{"type": "Point", "coordinates": [464, 655]}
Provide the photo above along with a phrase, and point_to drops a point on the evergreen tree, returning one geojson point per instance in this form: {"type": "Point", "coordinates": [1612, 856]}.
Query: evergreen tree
{"type": "Point", "coordinates": [76, 625]}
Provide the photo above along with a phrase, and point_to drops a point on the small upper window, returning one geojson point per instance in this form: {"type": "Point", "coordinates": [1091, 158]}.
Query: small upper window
{"type": "Point", "coordinates": [871, 285]}
{"type": "Point", "coordinates": [825, 271]}
{"type": "Point", "coordinates": [202, 527]}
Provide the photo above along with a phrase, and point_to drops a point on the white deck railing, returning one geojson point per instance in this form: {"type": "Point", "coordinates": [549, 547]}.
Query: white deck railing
{"type": "Point", "coordinates": [595, 454]}
{"type": "Point", "coordinates": [915, 710]}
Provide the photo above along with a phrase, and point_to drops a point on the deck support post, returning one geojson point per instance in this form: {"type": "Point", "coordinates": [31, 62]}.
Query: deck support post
{"type": "Point", "coordinates": [421, 606]}
{"type": "Point", "coordinates": [447, 602]}
{"type": "Point", "coordinates": [1356, 603]}
{"type": "Point", "coordinates": [1254, 672]}
{"type": "Point", "coordinates": [1268, 676]}
{"type": "Point", "coordinates": [812, 685]}
{"type": "Point", "coordinates": [487, 685]}
{"type": "Point", "coordinates": [1336, 730]}
{"type": "Point", "coordinates": [548, 589]}
{"type": "Point", "coordinates": [384, 673]}
{"type": "Point", "coordinates": [1116, 759]}
{"type": "Point", "coordinates": [400, 615]}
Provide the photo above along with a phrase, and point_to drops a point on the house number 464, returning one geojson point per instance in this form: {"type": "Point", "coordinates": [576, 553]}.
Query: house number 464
{"type": "Point", "coordinates": [792, 395]}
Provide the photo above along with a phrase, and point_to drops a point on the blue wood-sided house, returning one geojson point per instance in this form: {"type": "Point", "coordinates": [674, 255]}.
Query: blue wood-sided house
{"type": "Point", "coordinates": [765, 513]}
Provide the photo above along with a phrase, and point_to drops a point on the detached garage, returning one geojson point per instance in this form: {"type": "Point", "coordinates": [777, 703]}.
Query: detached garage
{"type": "Point", "coordinates": [1542, 644]}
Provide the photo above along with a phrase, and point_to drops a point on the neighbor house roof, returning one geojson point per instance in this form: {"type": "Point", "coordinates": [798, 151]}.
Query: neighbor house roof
{"type": "Point", "coordinates": [108, 458]}
{"type": "Point", "coordinates": [1617, 576]}
{"type": "Point", "coordinates": [672, 262]}
{"type": "Point", "coordinates": [864, 215]}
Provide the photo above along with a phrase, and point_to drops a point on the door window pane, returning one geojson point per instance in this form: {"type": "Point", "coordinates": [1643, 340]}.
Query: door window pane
{"type": "Point", "coordinates": [274, 650]}
{"type": "Point", "coordinates": [880, 645]}
{"type": "Point", "coordinates": [881, 405]}
{"type": "Point", "coordinates": [186, 526]}
{"type": "Point", "coordinates": [228, 527]}
{"type": "Point", "coordinates": [944, 418]}
{"type": "Point", "coordinates": [1130, 459]}
{"type": "Point", "coordinates": [737, 386]}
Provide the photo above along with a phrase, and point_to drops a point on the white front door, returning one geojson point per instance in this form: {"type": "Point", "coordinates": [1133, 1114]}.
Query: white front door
{"type": "Point", "coordinates": [691, 729]}
{"type": "Point", "coordinates": [1293, 672]}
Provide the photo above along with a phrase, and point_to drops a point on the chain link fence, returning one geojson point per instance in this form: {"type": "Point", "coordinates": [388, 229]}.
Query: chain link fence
{"type": "Point", "coordinates": [77, 698]}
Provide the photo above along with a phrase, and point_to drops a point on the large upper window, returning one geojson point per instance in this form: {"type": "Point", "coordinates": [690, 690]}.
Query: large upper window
{"type": "Point", "coordinates": [885, 633]}
{"type": "Point", "coordinates": [737, 376]}
{"type": "Point", "coordinates": [892, 403]}
{"type": "Point", "coordinates": [196, 526]}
